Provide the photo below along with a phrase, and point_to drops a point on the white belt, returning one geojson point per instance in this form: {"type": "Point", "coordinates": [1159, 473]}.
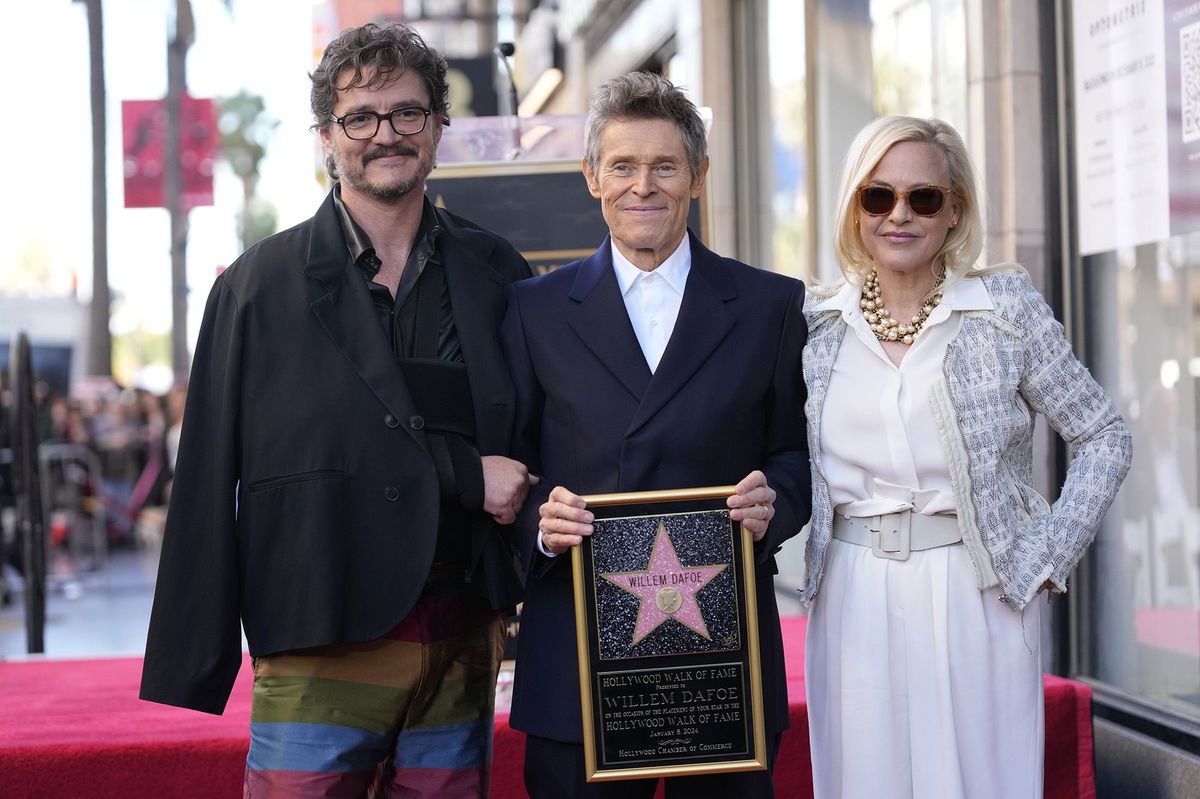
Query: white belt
{"type": "Point", "coordinates": [894, 535]}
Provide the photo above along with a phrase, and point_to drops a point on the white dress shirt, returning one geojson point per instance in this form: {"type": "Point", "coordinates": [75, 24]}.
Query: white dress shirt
{"type": "Point", "coordinates": [652, 301]}
{"type": "Point", "coordinates": [880, 448]}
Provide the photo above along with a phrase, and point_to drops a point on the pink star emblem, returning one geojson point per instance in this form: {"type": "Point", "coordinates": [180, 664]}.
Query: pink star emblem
{"type": "Point", "coordinates": [667, 588]}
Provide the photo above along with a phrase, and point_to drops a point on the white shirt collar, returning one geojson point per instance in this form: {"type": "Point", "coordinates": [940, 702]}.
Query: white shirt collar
{"type": "Point", "coordinates": [845, 300]}
{"type": "Point", "coordinates": [967, 294]}
{"type": "Point", "coordinates": [674, 270]}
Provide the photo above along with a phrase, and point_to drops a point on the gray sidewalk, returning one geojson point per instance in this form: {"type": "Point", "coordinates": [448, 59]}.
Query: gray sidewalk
{"type": "Point", "coordinates": [107, 614]}
{"type": "Point", "coordinates": [98, 615]}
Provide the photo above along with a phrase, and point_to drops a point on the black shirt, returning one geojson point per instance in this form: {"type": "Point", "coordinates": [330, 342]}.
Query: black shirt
{"type": "Point", "coordinates": [419, 324]}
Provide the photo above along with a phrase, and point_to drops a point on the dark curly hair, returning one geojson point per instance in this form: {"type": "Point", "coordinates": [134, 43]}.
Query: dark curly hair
{"type": "Point", "coordinates": [377, 54]}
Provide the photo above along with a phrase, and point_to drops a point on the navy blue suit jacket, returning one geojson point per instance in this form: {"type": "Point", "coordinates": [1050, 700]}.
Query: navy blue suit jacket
{"type": "Point", "coordinates": [726, 399]}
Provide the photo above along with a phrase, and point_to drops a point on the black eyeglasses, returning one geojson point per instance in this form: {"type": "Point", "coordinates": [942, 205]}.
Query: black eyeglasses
{"type": "Point", "coordinates": [407, 121]}
{"type": "Point", "coordinates": [924, 200]}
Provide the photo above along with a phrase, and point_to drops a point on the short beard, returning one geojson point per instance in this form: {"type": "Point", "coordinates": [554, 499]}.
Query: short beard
{"type": "Point", "coordinates": [392, 193]}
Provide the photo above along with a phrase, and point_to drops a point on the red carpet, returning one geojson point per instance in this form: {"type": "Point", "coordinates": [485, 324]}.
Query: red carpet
{"type": "Point", "coordinates": [75, 728]}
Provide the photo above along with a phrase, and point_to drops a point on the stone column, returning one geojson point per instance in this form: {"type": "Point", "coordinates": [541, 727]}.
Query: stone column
{"type": "Point", "coordinates": [1004, 88]}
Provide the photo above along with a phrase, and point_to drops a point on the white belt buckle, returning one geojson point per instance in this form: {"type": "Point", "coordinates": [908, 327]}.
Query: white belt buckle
{"type": "Point", "coordinates": [891, 535]}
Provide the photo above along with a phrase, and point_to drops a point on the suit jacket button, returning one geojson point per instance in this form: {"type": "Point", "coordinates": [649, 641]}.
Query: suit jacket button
{"type": "Point", "coordinates": [416, 422]}
{"type": "Point", "coordinates": [391, 493]}
{"type": "Point", "coordinates": [391, 421]}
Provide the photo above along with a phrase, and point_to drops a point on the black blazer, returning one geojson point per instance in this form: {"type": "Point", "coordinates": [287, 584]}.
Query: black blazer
{"type": "Point", "coordinates": [727, 398]}
{"type": "Point", "coordinates": [305, 501]}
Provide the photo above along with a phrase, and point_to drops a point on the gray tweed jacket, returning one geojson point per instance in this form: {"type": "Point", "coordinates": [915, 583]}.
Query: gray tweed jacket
{"type": "Point", "coordinates": [1002, 367]}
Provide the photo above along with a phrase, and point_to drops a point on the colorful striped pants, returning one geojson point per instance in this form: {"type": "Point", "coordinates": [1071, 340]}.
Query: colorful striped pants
{"type": "Point", "coordinates": [409, 715]}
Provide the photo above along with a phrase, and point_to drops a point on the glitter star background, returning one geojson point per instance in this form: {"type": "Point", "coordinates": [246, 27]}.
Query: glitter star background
{"type": "Point", "coordinates": [625, 544]}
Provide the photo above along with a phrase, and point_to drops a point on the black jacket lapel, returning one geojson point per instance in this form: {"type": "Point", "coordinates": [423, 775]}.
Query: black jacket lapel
{"type": "Point", "coordinates": [602, 323]}
{"type": "Point", "coordinates": [338, 296]}
{"type": "Point", "coordinates": [477, 297]}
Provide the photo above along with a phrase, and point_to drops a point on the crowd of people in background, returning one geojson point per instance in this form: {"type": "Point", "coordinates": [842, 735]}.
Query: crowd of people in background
{"type": "Point", "coordinates": [107, 460]}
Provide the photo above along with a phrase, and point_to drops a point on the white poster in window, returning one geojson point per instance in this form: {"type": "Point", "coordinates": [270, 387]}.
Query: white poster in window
{"type": "Point", "coordinates": [1121, 163]}
{"type": "Point", "coordinates": [1182, 20]}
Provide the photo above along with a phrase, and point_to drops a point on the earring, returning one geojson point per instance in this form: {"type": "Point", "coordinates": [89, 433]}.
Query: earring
{"type": "Point", "coordinates": [953, 224]}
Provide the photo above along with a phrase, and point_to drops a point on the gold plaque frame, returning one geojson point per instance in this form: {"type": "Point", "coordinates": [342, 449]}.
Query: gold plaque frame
{"type": "Point", "coordinates": [747, 751]}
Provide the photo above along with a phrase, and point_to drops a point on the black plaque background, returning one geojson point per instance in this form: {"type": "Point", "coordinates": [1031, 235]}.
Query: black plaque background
{"type": "Point", "coordinates": [623, 691]}
{"type": "Point", "coordinates": [704, 717]}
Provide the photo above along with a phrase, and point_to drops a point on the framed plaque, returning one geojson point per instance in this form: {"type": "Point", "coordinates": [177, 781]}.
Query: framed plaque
{"type": "Point", "coordinates": [667, 630]}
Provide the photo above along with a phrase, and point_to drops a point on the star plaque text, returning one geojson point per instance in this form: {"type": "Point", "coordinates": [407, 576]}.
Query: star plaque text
{"type": "Point", "coordinates": [667, 636]}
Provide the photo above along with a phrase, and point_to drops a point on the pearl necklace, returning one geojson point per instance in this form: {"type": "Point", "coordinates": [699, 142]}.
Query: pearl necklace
{"type": "Point", "coordinates": [882, 324]}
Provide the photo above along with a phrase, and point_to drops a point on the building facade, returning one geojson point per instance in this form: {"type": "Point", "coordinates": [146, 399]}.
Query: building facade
{"type": "Point", "coordinates": [1084, 124]}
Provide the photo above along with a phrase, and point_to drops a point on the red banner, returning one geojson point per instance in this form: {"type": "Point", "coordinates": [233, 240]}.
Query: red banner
{"type": "Point", "coordinates": [144, 125]}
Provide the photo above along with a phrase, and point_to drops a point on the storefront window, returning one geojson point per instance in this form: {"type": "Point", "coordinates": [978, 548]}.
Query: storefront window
{"type": "Point", "coordinates": [1142, 592]}
{"type": "Point", "coordinates": [789, 189]}
{"type": "Point", "coordinates": [871, 58]}
{"type": "Point", "coordinates": [1135, 151]}
{"type": "Point", "coordinates": [920, 59]}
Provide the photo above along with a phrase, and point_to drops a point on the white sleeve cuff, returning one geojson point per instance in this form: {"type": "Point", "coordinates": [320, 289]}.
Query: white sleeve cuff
{"type": "Point", "coordinates": [542, 547]}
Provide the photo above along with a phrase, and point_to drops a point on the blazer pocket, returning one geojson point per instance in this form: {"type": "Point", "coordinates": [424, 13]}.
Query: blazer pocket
{"type": "Point", "coordinates": [1032, 505]}
{"type": "Point", "coordinates": [1036, 505]}
{"type": "Point", "coordinates": [295, 552]}
{"type": "Point", "coordinates": [300, 477]}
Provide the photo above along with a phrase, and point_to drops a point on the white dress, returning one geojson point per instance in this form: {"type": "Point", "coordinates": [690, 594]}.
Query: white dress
{"type": "Point", "coordinates": [919, 684]}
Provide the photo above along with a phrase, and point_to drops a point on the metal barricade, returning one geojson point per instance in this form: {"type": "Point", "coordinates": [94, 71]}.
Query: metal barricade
{"type": "Point", "coordinates": [26, 475]}
{"type": "Point", "coordinates": [70, 479]}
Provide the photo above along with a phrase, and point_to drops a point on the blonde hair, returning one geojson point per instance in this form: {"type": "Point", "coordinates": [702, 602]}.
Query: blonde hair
{"type": "Point", "coordinates": [963, 243]}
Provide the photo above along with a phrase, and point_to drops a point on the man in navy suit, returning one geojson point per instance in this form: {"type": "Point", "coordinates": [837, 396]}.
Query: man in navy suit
{"type": "Point", "coordinates": [652, 364]}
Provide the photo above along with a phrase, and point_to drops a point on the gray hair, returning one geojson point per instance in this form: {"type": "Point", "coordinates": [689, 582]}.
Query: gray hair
{"type": "Point", "coordinates": [644, 95]}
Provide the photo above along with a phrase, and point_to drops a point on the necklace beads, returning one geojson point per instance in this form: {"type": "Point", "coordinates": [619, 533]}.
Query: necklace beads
{"type": "Point", "coordinates": [883, 325]}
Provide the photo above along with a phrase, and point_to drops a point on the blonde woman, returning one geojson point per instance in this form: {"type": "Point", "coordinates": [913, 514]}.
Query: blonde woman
{"type": "Point", "coordinates": [929, 544]}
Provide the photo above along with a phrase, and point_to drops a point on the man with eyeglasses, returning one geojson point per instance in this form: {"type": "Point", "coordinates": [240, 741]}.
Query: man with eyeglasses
{"type": "Point", "coordinates": [342, 486]}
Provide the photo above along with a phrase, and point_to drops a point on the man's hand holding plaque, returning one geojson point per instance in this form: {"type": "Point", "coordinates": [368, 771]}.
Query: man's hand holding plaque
{"type": "Point", "coordinates": [667, 634]}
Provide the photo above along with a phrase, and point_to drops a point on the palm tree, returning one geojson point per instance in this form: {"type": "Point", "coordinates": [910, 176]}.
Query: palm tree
{"type": "Point", "coordinates": [245, 128]}
{"type": "Point", "coordinates": [182, 34]}
{"type": "Point", "coordinates": [99, 353]}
